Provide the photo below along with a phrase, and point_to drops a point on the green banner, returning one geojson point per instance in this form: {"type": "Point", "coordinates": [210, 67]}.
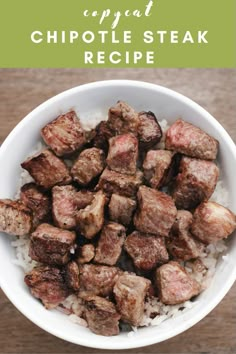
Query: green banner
{"type": "Point", "coordinates": [106, 33]}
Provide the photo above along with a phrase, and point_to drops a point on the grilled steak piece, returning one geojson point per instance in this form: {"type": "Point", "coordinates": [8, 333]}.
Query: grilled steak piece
{"type": "Point", "coordinates": [110, 244]}
{"type": "Point", "coordinates": [156, 212]}
{"type": "Point", "coordinates": [130, 291]}
{"type": "Point", "coordinates": [64, 207]}
{"type": "Point", "coordinates": [90, 220]}
{"type": "Point", "coordinates": [146, 251]}
{"type": "Point", "coordinates": [98, 279]}
{"type": "Point", "coordinates": [83, 198]}
{"type": "Point", "coordinates": [47, 284]}
{"type": "Point", "coordinates": [72, 275]}
{"type": "Point", "coordinates": [89, 165]}
{"type": "Point", "coordinates": [121, 209]}
{"type": "Point", "coordinates": [114, 182]}
{"type": "Point", "coordinates": [123, 119]}
{"type": "Point", "coordinates": [174, 284]}
{"type": "Point", "coordinates": [51, 245]}
{"type": "Point", "coordinates": [181, 245]}
{"type": "Point", "coordinates": [64, 134]}
{"type": "Point", "coordinates": [212, 222]}
{"type": "Point", "coordinates": [103, 134]}
{"type": "Point", "coordinates": [15, 217]}
{"type": "Point", "coordinates": [190, 140]}
{"type": "Point", "coordinates": [156, 167]}
{"type": "Point", "coordinates": [85, 254]}
{"type": "Point", "coordinates": [101, 316]}
{"type": "Point", "coordinates": [195, 182]}
{"type": "Point", "coordinates": [149, 130]}
{"type": "Point", "coordinates": [38, 201]}
{"type": "Point", "coordinates": [47, 169]}
{"type": "Point", "coordinates": [123, 154]}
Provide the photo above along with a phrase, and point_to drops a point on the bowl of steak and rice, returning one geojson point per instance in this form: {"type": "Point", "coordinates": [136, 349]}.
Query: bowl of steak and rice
{"type": "Point", "coordinates": [76, 287]}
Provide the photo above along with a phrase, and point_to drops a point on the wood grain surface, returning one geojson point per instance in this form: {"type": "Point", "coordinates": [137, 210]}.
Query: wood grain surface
{"type": "Point", "coordinates": [21, 90]}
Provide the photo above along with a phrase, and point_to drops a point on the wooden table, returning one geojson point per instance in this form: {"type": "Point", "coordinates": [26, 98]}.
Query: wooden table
{"type": "Point", "coordinates": [23, 90]}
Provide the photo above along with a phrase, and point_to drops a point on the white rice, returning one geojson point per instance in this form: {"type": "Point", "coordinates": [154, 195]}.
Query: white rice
{"type": "Point", "coordinates": [155, 312]}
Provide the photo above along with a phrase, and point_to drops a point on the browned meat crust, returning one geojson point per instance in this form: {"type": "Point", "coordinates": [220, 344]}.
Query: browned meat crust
{"type": "Point", "coordinates": [190, 140]}
{"type": "Point", "coordinates": [64, 134]}
{"type": "Point", "coordinates": [15, 217]}
{"type": "Point", "coordinates": [47, 170]}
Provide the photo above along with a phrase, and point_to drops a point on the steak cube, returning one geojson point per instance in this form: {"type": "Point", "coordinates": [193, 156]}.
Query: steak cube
{"type": "Point", "coordinates": [212, 222]}
{"type": "Point", "coordinates": [156, 167]}
{"type": "Point", "coordinates": [83, 198]}
{"type": "Point", "coordinates": [156, 212]}
{"type": "Point", "coordinates": [47, 284]}
{"type": "Point", "coordinates": [15, 217]}
{"type": "Point", "coordinates": [103, 134]}
{"type": "Point", "coordinates": [64, 207]}
{"type": "Point", "coordinates": [89, 165]}
{"type": "Point", "coordinates": [130, 291]}
{"type": "Point", "coordinates": [72, 275]}
{"type": "Point", "coordinates": [123, 119]}
{"type": "Point", "coordinates": [121, 209]}
{"type": "Point", "coordinates": [114, 182]}
{"type": "Point", "coordinates": [123, 154]}
{"type": "Point", "coordinates": [149, 130]}
{"type": "Point", "coordinates": [101, 316]}
{"type": "Point", "coordinates": [36, 200]}
{"type": "Point", "coordinates": [181, 245]}
{"type": "Point", "coordinates": [195, 182]}
{"type": "Point", "coordinates": [47, 169]}
{"type": "Point", "coordinates": [146, 251]}
{"type": "Point", "coordinates": [85, 253]}
{"type": "Point", "coordinates": [64, 134]}
{"type": "Point", "coordinates": [190, 140]}
{"type": "Point", "coordinates": [90, 220]}
{"type": "Point", "coordinates": [51, 245]}
{"type": "Point", "coordinates": [98, 279]}
{"type": "Point", "coordinates": [174, 284]}
{"type": "Point", "coordinates": [110, 244]}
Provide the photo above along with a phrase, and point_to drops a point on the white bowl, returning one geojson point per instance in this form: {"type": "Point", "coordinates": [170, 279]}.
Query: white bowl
{"type": "Point", "coordinates": [88, 100]}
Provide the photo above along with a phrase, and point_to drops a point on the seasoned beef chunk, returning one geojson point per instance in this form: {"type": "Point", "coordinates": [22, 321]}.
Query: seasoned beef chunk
{"type": "Point", "coordinates": [122, 119]}
{"type": "Point", "coordinates": [90, 220]}
{"type": "Point", "coordinates": [64, 134]}
{"type": "Point", "coordinates": [149, 130]}
{"type": "Point", "coordinates": [98, 279]}
{"type": "Point", "coordinates": [156, 167]}
{"type": "Point", "coordinates": [121, 209]}
{"type": "Point", "coordinates": [156, 212]}
{"type": "Point", "coordinates": [47, 169]}
{"type": "Point", "coordinates": [123, 154]}
{"type": "Point", "coordinates": [72, 275]}
{"type": "Point", "coordinates": [174, 284]}
{"type": "Point", "coordinates": [147, 251]}
{"type": "Point", "coordinates": [15, 217]}
{"type": "Point", "coordinates": [83, 198]}
{"type": "Point", "coordinates": [51, 245]}
{"type": "Point", "coordinates": [85, 254]}
{"type": "Point", "coordinates": [190, 140]}
{"type": "Point", "coordinates": [212, 222]}
{"type": "Point", "coordinates": [103, 134]}
{"type": "Point", "coordinates": [181, 245]}
{"type": "Point", "coordinates": [36, 200]}
{"type": "Point", "coordinates": [64, 207]}
{"type": "Point", "coordinates": [110, 244]}
{"type": "Point", "coordinates": [114, 182]}
{"type": "Point", "coordinates": [101, 316]}
{"type": "Point", "coordinates": [47, 284]}
{"type": "Point", "coordinates": [130, 291]}
{"type": "Point", "coordinates": [195, 182]}
{"type": "Point", "coordinates": [89, 165]}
